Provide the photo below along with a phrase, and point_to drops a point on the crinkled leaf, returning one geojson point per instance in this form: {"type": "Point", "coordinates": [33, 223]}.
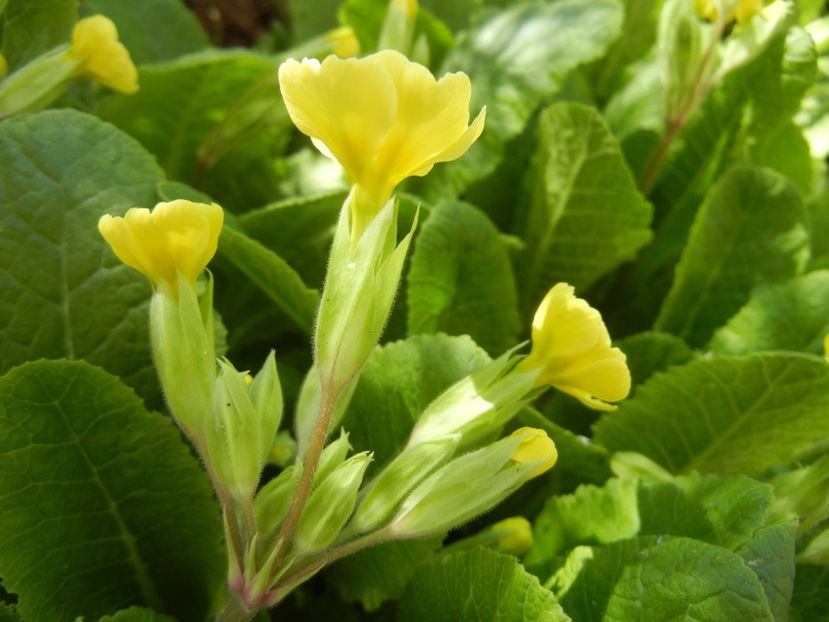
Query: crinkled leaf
{"type": "Point", "coordinates": [729, 414]}
{"type": "Point", "coordinates": [65, 294]}
{"type": "Point", "coordinates": [750, 230]}
{"type": "Point", "coordinates": [476, 586]}
{"type": "Point", "coordinates": [103, 506]}
{"type": "Point", "coordinates": [461, 280]}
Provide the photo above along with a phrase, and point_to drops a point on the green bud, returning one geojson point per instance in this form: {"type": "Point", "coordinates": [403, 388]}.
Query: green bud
{"type": "Point", "coordinates": [479, 405]}
{"type": "Point", "coordinates": [332, 457]}
{"type": "Point", "coordinates": [398, 27]}
{"type": "Point", "coordinates": [38, 83]}
{"type": "Point", "coordinates": [462, 489]}
{"type": "Point", "coordinates": [308, 406]}
{"type": "Point", "coordinates": [283, 450]}
{"type": "Point", "coordinates": [273, 500]}
{"type": "Point", "coordinates": [401, 475]}
{"type": "Point", "coordinates": [330, 505]}
{"type": "Point", "coordinates": [363, 277]}
{"type": "Point", "coordinates": [181, 332]}
{"type": "Point", "coordinates": [748, 40]}
{"type": "Point", "coordinates": [681, 44]}
{"type": "Point", "coordinates": [266, 395]}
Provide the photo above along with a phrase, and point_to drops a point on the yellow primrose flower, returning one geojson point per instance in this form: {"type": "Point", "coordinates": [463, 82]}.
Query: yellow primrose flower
{"type": "Point", "coordinates": [746, 9]}
{"type": "Point", "coordinates": [343, 41]}
{"type": "Point", "coordinates": [382, 117]}
{"type": "Point", "coordinates": [707, 10]}
{"type": "Point", "coordinates": [571, 347]}
{"type": "Point", "coordinates": [102, 56]}
{"type": "Point", "coordinates": [535, 445]}
{"type": "Point", "coordinates": [515, 535]}
{"type": "Point", "coordinates": [179, 237]}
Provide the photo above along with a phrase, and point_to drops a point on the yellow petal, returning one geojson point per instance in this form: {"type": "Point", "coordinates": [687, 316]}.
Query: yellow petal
{"type": "Point", "coordinates": [606, 376]}
{"type": "Point", "coordinates": [706, 9]}
{"type": "Point", "coordinates": [746, 9]}
{"type": "Point", "coordinates": [535, 446]}
{"type": "Point", "coordinates": [179, 237]}
{"type": "Point", "coordinates": [566, 326]}
{"type": "Point", "coordinates": [102, 56]}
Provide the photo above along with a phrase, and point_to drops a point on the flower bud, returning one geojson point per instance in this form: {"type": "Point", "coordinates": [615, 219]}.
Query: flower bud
{"type": "Point", "coordinates": [273, 500]}
{"type": "Point", "coordinates": [514, 535]}
{"type": "Point", "coordinates": [36, 84]}
{"type": "Point", "coordinates": [330, 505]}
{"type": "Point", "coordinates": [681, 49]}
{"type": "Point", "coordinates": [398, 478]}
{"type": "Point", "coordinates": [398, 28]}
{"type": "Point", "coordinates": [308, 406]}
{"type": "Point", "coordinates": [332, 457]}
{"type": "Point", "coordinates": [472, 484]}
{"type": "Point", "coordinates": [101, 56]}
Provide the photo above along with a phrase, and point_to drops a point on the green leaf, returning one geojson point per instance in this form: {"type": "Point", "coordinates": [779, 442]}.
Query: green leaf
{"type": "Point", "coordinates": [729, 414]}
{"type": "Point", "coordinates": [793, 315]}
{"type": "Point", "coordinates": [65, 292]}
{"type": "Point", "coordinates": [750, 230]}
{"type": "Point", "coordinates": [137, 614]}
{"type": "Point", "coordinates": [381, 573]}
{"type": "Point", "coordinates": [650, 352]}
{"type": "Point", "coordinates": [272, 275]}
{"type": "Point", "coordinates": [102, 505]}
{"type": "Point", "coordinates": [182, 103]}
{"type": "Point", "coordinates": [399, 380]}
{"type": "Point", "coordinates": [8, 613]}
{"type": "Point", "coordinates": [30, 28]}
{"type": "Point", "coordinates": [476, 586]}
{"type": "Point", "coordinates": [461, 281]}
{"type": "Point", "coordinates": [586, 216]}
{"type": "Point", "coordinates": [311, 19]}
{"type": "Point", "coordinates": [152, 30]}
{"type": "Point", "coordinates": [660, 579]}
{"type": "Point", "coordinates": [516, 58]}
{"type": "Point", "coordinates": [811, 593]}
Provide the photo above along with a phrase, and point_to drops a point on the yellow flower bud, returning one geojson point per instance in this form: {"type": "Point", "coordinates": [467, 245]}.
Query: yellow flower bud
{"type": "Point", "coordinates": [746, 9]}
{"type": "Point", "coordinates": [707, 10]}
{"type": "Point", "coordinates": [101, 55]}
{"type": "Point", "coordinates": [535, 446]}
{"type": "Point", "coordinates": [343, 41]}
{"type": "Point", "coordinates": [176, 237]}
{"type": "Point", "coordinates": [515, 535]}
{"type": "Point", "coordinates": [571, 348]}
{"type": "Point", "coordinates": [382, 117]}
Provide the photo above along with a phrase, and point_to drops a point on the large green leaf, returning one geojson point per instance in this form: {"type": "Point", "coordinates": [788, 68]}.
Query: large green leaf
{"type": "Point", "coordinates": [516, 58]}
{"type": "Point", "coordinates": [103, 506]}
{"type": "Point", "coordinates": [652, 578]}
{"type": "Point", "coordinates": [811, 593]}
{"type": "Point", "coordinates": [272, 274]}
{"type": "Point", "coordinates": [461, 281]}
{"type": "Point", "coordinates": [183, 103]}
{"type": "Point", "coordinates": [788, 316]}
{"type": "Point", "coordinates": [399, 380]}
{"type": "Point", "coordinates": [750, 230]}
{"type": "Point", "coordinates": [152, 30]}
{"type": "Point", "coordinates": [64, 292]}
{"type": "Point", "coordinates": [730, 414]}
{"type": "Point", "coordinates": [586, 216]}
{"type": "Point", "coordinates": [30, 28]}
{"type": "Point", "coordinates": [477, 586]}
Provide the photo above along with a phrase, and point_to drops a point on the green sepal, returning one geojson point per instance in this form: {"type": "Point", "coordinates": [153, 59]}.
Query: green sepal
{"type": "Point", "coordinates": [38, 83]}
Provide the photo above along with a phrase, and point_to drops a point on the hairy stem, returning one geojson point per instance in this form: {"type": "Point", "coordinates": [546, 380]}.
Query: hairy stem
{"type": "Point", "coordinates": [234, 611]}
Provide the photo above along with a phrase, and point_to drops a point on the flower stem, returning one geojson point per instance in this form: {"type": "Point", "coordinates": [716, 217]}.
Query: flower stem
{"type": "Point", "coordinates": [235, 611]}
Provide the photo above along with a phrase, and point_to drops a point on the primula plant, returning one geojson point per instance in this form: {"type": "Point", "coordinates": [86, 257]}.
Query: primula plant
{"type": "Point", "coordinates": [377, 310]}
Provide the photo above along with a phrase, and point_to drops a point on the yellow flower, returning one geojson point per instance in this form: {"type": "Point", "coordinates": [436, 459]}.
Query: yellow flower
{"type": "Point", "coordinates": [746, 9]}
{"type": "Point", "coordinates": [571, 347]}
{"type": "Point", "coordinates": [741, 10]}
{"type": "Point", "coordinates": [535, 446]}
{"type": "Point", "coordinates": [382, 117]}
{"type": "Point", "coordinates": [706, 9]}
{"type": "Point", "coordinates": [343, 41]}
{"type": "Point", "coordinates": [515, 535]}
{"type": "Point", "coordinates": [179, 237]}
{"type": "Point", "coordinates": [102, 56]}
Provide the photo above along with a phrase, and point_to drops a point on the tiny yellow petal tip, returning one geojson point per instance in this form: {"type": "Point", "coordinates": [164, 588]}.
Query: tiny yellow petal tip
{"type": "Point", "coordinates": [535, 446]}
{"type": "Point", "coordinates": [101, 55]}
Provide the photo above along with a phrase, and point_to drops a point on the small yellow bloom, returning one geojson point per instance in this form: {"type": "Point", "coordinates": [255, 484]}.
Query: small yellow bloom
{"type": "Point", "coordinates": [382, 117]}
{"type": "Point", "coordinates": [179, 237]}
{"type": "Point", "coordinates": [343, 41]}
{"type": "Point", "coordinates": [102, 56]}
{"type": "Point", "coordinates": [535, 446]}
{"type": "Point", "coordinates": [707, 10]}
{"type": "Point", "coordinates": [515, 535]}
{"type": "Point", "coordinates": [571, 346]}
{"type": "Point", "coordinates": [741, 10]}
{"type": "Point", "coordinates": [746, 9]}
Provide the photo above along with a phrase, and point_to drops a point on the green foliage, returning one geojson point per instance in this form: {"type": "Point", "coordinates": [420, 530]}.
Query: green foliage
{"type": "Point", "coordinates": [28, 29]}
{"type": "Point", "coordinates": [103, 506]}
{"type": "Point", "coordinates": [477, 585]}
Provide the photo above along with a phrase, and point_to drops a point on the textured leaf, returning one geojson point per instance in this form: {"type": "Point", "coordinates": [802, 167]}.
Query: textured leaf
{"type": "Point", "coordinates": [729, 414]}
{"type": "Point", "coordinates": [381, 573]}
{"type": "Point", "coordinates": [102, 505]}
{"type": "Point", "coordinates": [272, 275]}
{"type": "Point", "coordinates": [586, 216]}
{"type": "Point", "coordinates": [793, 315]}
{"type": "Point", "coordinates": [152, 30]}
{"type": "Point", "coordinates": [750, 230]}
{"type": "Point", "coordinates": [650, 352]}
{"type": "Point", "coordinates": [477, 586]}
{"type": "Point", "coordinates": [811, 593]}
{"type": "Point", "coordinates": [516, 58]}
{"type": "Point", "coordinates": [30, 28]}
{"type": "Point", "coordinates": [461, 281]}
{"type": "Point", "coordinates": [65, 294]}
{"type": "Point", "coordinates": [398, 382]}
{"type": "Point", "coordinates": [652, 578]}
